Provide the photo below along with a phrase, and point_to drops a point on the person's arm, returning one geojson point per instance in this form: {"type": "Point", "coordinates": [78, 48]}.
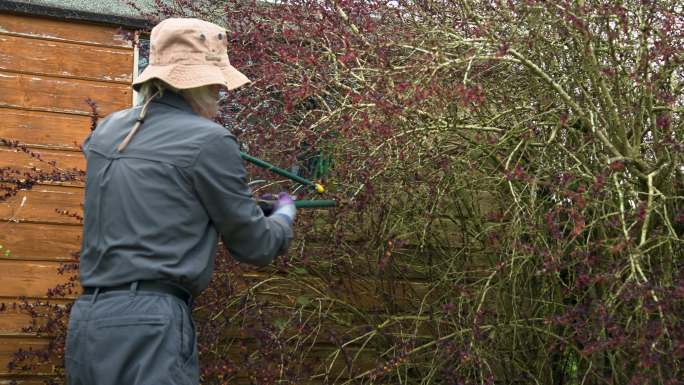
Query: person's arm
{"type": "Point", "coordinates": [220, 180]}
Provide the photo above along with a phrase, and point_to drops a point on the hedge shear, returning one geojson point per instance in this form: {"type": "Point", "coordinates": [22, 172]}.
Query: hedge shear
{"type": "Point", "coordinates": [267, 205]}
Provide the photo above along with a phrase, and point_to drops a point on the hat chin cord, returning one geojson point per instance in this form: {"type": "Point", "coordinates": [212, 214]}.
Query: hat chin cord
{"type": "Point", "coordinates": [138, 122]}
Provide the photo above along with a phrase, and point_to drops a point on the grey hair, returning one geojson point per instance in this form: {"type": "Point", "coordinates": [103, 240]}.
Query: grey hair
{"type": "Point", "coordinates": [150, 87]}
{"type": "Point", "coordinates": [202, 99]}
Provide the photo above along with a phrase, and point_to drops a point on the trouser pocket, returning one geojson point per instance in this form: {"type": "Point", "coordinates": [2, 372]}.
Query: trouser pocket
{"type": "Point", "coordinates": [132, 349]}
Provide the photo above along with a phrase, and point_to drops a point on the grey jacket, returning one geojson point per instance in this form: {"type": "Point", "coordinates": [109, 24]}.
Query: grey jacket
{"type": "Point", "coordinates": [155, 210]}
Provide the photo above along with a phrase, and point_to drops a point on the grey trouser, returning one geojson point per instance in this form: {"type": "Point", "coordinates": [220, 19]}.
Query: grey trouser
{"type": "Point", "coordinates": [131, 338]}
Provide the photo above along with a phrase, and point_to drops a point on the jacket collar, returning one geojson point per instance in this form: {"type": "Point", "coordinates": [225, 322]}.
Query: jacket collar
{"type": "Point", "coordinates": [174, 100]}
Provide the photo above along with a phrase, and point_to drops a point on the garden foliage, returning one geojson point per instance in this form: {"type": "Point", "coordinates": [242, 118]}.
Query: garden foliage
{"type": "Point", "coordinates": [511, 185]}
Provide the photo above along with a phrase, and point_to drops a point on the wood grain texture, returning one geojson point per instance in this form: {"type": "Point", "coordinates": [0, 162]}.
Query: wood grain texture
{"type": "Point", "coordinates": [40, 204]}
{"type": "Point", "coordinates": [16, 322]}
{"type": "Point", "coordinates": [25, 380]}
{"type": "Point", "coordinates": [69, 60]}
{"type": "Point", "coordinates": [8, 346]}
{"type": "Point", "coordinates": [30, 279]}
{"type": "Point", "coordinates": [43, 93]}
{"type": "Point", "coordinates": [71, 31]}
{"type": "Point", "coordinates": [40, 242]}
{"type": "Point", "coordinates": [13, 321]}
{"type": "Point", "coordinates": [44, 129]}
{"type": "Point", "coordinates": [21, 161]}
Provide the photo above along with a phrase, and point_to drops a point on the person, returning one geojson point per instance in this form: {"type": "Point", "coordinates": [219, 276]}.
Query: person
{"type": "Point", "coordinates": [163, 182]}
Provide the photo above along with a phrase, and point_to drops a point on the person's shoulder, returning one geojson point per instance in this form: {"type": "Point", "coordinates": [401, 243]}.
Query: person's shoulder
{"type": "Point", "coordinates": [212, 139]}
{"type": "Point", "coordinates": [116, 118]}
{"type": "Point", "coordinates": [212, 131]}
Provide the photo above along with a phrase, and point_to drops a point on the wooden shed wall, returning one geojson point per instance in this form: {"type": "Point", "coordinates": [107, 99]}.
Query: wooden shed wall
{"type": "Point", "coordinates": [48, 68]}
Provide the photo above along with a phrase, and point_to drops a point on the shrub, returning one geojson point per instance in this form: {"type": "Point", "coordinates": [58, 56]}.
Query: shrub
{"type": "Point", "coordinates": [512, 189]}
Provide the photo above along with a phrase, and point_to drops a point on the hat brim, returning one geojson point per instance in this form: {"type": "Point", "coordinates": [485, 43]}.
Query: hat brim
{"type": "Point", "coordinates": [192, 76]}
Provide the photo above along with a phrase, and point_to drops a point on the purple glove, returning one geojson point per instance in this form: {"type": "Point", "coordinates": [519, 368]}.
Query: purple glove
{"type": "Point", "coordinates": [285, 206]}
{"type": "Point", "coordinates": [267, 197]}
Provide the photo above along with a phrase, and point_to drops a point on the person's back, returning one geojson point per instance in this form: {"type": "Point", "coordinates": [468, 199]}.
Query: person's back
{"type": "Point", "coordinates": [146, 219]}
{"type": "Point", "coordinates": [163, 183]}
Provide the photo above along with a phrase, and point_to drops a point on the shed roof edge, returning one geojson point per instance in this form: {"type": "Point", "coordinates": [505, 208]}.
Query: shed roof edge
{"type": "Point", "coordinates": [23, 8]}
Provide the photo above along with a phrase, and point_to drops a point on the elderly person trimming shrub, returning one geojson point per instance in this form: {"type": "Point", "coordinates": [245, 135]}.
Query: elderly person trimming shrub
{"type": "Point", "coordinates": [163, 182]}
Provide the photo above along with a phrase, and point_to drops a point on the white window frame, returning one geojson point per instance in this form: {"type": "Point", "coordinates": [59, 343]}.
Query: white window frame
{"type": "Point", "coordinates": [136, 61]}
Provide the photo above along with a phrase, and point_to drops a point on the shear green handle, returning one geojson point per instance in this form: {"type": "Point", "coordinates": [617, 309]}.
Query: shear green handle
{"type": "Point", "coordinates": [313, 204]}
{"type": "Point", "coordinates": [267, 206]}
{"type": "Point", "coordinates": [270, 167]}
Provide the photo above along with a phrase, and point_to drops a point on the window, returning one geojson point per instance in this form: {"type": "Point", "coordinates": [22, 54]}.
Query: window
{"type": "Point", "coordinates": [141, 58]}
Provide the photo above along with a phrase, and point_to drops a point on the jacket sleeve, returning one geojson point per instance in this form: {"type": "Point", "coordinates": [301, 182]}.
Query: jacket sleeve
{"type": "Point", "coordinates": [85, 146]}
{"type": "Point", "coordinates": [220, 179]}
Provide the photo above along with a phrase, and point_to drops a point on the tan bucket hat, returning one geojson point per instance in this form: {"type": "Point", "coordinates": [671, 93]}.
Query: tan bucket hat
{"type": "Point", "coordinates": [189, 53]}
